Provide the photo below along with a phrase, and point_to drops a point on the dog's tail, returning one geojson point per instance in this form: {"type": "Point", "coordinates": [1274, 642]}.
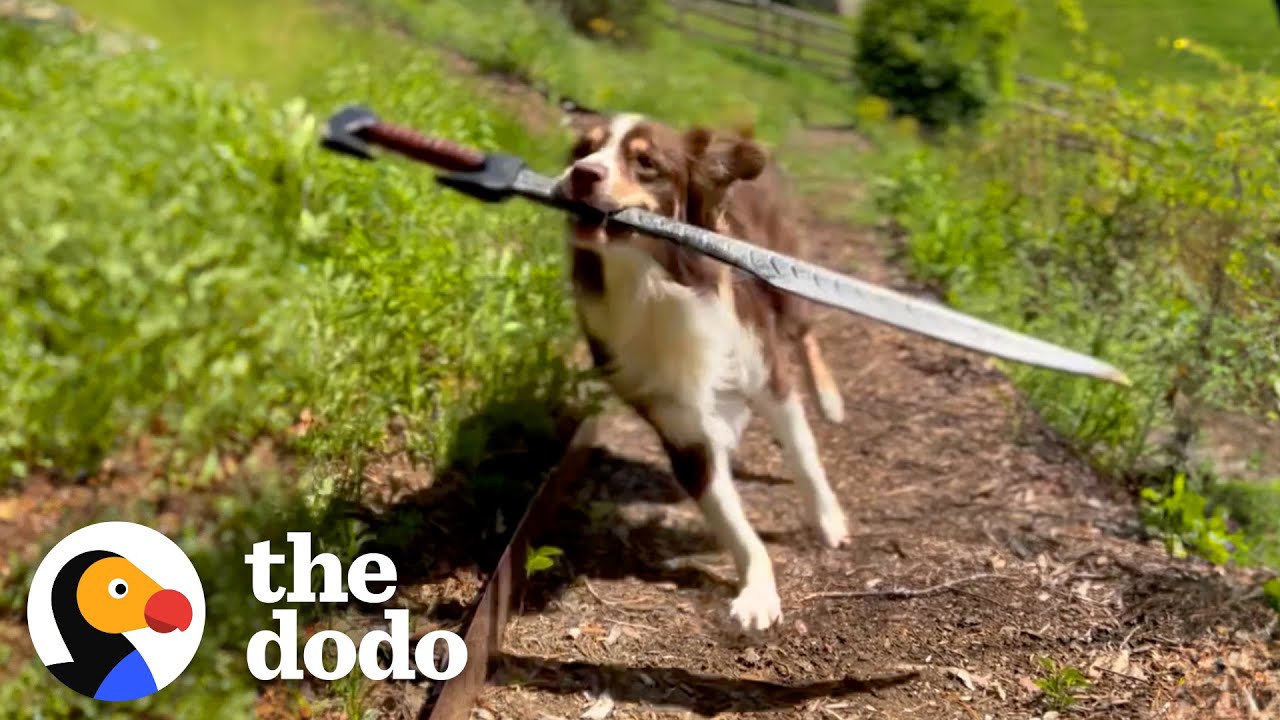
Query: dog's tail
{"type": "Point", "coordinates": [824, 384]}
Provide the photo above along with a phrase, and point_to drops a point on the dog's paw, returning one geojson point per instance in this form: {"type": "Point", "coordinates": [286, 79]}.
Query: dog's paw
{"type": "Point", "coordinates": [757, 607]}
{"type": "Point", "coordinates": [832, 404]}
{"type": "Point", "coordinates": [832, 527]}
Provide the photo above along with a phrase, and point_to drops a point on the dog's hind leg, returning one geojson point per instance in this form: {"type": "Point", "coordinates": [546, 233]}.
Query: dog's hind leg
{"type": "Point", "coordinates": [825, 388]}
{"type": "Point", "coordinates": [786, 418]}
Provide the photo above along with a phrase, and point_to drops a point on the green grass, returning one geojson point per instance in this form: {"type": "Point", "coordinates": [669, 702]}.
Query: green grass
{"type": "Point", "coordinates": [285, 46]}
{"type": "Point", "coordinates": [674, 78]}
{"type": "Point", "coordinates": [1139, 35]}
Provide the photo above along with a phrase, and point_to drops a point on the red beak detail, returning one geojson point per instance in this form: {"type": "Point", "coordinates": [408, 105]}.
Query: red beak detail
{"type": "Point", "coordinates": [168, 610]}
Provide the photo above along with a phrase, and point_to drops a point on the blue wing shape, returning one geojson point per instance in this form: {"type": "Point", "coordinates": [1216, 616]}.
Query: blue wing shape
{"type": "Point", "coordinates": [130, 679]}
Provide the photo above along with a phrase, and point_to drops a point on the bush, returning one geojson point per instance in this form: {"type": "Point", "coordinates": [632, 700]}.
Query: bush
{"type": "Point", "coordinates": [626, 22]}
{"type": "Point", "coordinates": [941, 61]}
{"type": "Point", "coordinates": [181, 259]}
{"type": "Point", "coordinates": [1137, 227]}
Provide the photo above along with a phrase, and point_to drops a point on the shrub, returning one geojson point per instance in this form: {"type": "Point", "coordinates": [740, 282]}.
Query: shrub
{"type": "Point", "coordinates": [626, 22]}
{"type": "Point", "coordinates": [1140, 226]}
{"type": "Point", "coordinates": [1137, 227]}
{"type": "Point", "coordinates": [941, 61]}
{"type": "Point", "coordinates": [181, 257]}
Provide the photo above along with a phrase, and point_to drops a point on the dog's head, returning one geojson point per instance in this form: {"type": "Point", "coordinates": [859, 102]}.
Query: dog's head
{"type": "Point", "coordinates": [629, 161]}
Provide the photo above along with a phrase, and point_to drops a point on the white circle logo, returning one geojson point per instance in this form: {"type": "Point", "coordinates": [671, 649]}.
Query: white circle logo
{"type": "Point", "coordinates": [116, 611]}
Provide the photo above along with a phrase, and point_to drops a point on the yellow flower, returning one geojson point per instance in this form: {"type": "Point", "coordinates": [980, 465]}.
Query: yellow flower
{"type": "Point", "coordinates": [600, 26]}
{"type": "Point", "coordinates": [1181, 44]}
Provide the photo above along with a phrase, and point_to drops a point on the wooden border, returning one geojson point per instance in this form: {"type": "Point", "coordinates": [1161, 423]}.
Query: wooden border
{"type": "Point", "coordinates": [487, 628]}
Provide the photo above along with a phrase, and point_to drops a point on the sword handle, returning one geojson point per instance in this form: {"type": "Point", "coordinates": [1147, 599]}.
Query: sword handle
{"type": "Point", "coordinates": [412, 144]}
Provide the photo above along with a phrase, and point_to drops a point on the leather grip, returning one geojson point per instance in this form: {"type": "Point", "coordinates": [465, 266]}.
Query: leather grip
{"type": "Point", "coordinates": [432, 151]}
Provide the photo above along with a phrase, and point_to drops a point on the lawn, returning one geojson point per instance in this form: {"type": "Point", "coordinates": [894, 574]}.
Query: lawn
{"type": "Point", "coordinates": [1139, 35]}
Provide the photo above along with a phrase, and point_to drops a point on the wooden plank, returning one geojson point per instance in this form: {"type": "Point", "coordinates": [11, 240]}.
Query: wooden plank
{"type": "Point", "coordinates": [807, 17]}
{"type": "Point", "coordinates": [488, 625]}
{"type": "Point", "coordinates": [830, 70]}
{"type": "Point", "coordinates": [703, 8]}
{"type": "Point", "coordinates": [815, 19]}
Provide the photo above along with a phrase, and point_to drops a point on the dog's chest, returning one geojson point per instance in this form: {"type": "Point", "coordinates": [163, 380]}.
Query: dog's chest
{"type": "Point", "coordinates": [656, 339]}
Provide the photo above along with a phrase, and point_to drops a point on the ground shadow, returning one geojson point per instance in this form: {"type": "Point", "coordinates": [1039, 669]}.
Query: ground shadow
{"type": "Point", "coordinates": [463, 519]}
{"type": "Point", "coordinates": [1176, 605]}
{"type": "Point", "coordinates": [706, 695]}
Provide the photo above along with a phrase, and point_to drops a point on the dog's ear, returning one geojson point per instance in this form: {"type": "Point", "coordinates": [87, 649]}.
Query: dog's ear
{"type": "Point", "coordinates": [719, 161]}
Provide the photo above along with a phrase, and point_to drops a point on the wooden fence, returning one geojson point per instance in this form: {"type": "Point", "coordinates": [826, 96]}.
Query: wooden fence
{"type": "Point", "coordinates": [818, 42]}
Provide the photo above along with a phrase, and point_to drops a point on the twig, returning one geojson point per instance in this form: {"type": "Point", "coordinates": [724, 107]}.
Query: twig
{"type": "Point", "coordinates": [637, 626]}
{"type": "Point", "coordinates": [614, 603]}
{"type": "Point", "coordinates": [903, 593]}
{"type": "Point", "coordinates": [594, 594]}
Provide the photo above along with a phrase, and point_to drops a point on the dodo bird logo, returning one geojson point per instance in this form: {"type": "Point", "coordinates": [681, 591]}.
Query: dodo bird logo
{"type": "Point", "coordinates": [116, 611]}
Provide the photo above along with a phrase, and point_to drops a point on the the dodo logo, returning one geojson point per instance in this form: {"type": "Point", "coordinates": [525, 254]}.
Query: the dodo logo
{"type": "Point", "coordinates": [116, 611]}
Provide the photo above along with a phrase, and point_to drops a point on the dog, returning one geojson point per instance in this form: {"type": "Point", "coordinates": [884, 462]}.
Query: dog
{"type": "Point", "coordinates": [693, 345]}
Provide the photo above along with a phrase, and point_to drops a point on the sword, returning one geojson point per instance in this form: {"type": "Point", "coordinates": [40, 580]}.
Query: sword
{"type": "Point", "coordinates": [494, 177]}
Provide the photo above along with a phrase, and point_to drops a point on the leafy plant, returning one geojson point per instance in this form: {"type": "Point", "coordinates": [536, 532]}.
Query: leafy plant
{"type": "Point", "coordinates": [1271, 591]}
{"type": "Point", "coordinates": [206, 281]}
{"type": "Point", "coordinates": [1061, 684]}
{"type": "Point", "coordinates": [1183, 517]}
{"type": "Point", "coordinates": [627, 22]}
{"type": "Point", "coordinates": [941, 61]}
{"type": "Point", "coordinates": [540, 559]}
{"type": "Point", "coordinates": [1138, 226]}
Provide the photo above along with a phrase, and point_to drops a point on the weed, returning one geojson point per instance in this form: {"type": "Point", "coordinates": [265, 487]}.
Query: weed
{"type": "Point", "coordinates": [1183, 518]}
{"type": "Point", "coordinates": [1061, 684]}
{"type": "Point", "coordinates": [540, 559]}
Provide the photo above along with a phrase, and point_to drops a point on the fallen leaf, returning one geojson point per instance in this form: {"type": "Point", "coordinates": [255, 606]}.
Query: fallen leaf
{"type": "Point", "coordinates": [963, 675]}
{"type": "Point", "coordinates": [600, 709]}
{"type": "Point", "coordinates": [614, 633]}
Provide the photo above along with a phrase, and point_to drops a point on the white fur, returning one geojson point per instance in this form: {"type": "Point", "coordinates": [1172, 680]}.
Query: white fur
{"type": "Point", "coordinates": [789, 425]}
{"type": "Point", "coordinates": [610, 155]}
{"type": "Point", "coordinates": [688, 359]}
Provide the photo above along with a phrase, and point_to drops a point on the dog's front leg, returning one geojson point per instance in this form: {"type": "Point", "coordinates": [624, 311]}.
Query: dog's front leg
{"type": "Point", "coordinates": [699, 452]}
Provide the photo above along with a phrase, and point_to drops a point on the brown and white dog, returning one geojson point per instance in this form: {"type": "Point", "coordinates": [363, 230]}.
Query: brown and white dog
{"type": "Point", "coordinates": [693, 345]}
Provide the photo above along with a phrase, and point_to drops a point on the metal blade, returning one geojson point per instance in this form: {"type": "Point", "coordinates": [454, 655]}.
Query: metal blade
{"type": "Point", "coordinates": [845, 293]}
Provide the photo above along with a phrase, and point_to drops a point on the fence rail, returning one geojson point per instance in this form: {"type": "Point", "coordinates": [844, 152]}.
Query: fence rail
{"type": "Point", "coordinates": [820, 43]}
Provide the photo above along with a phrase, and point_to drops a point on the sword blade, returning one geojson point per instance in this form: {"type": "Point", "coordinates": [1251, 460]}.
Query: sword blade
{"type": "Point", "coordinates": [846, 293]}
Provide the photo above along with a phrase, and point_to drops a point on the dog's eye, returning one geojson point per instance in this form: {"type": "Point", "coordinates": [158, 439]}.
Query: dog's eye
{"type": "Point", "coordinates": [644, 161]}
{"type": "Point", "coordinates": [118, 588]}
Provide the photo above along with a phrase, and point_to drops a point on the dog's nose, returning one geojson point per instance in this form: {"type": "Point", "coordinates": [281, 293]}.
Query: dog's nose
{"type": "Point", "coordinates": [584, 177]}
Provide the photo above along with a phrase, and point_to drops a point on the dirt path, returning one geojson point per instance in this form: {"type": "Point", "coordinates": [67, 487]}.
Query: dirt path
{"type": "Point", "coordinates": [1009, 548]}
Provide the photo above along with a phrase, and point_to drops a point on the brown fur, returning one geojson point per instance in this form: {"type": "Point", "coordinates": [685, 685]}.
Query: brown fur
{"type": "Point", "coordinates": [723, 182]}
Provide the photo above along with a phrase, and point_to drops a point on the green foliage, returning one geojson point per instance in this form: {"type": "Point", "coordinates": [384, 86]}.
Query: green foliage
{"type": "Point", "coordinates": [940, 61]}
{"type": "Point", "coordinates": [182, 258]}
{"type": "Point", "coordinates": [1184, 519]}
{"type": "Point", "coordinates": [1271, 591]}
{"type": "Point", "coordinates": [540, 559]}
{"type": "Point", "coordinates": [1255, 507]}
{"type": "Point", "coordinates": [1136, 39]}
{"type": "Point", "coordinates": [1138, 227]}
{"type": "Point", "coordinates": [672, 77]}
{"type": "Point", "coordinates": [1061, 684]}
{"type": "Point", "coordinates": [626, 22]}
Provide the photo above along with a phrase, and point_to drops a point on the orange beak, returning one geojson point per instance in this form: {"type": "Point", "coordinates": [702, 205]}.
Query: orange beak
{"type": "Point", "coordinates": [168, 610]}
